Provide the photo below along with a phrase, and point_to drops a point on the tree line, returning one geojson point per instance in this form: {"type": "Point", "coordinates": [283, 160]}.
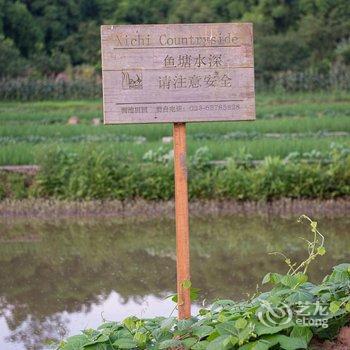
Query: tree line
{"type": "Point", "coordinates": [41, 38]}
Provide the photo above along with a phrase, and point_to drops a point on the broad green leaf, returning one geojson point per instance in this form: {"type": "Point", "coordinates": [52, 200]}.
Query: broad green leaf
{"type": "Point", "coordinates": [184, 324]}
{"type": "Point", "coordinates": [167, 323]}
{"type": "Point", "coordinates": [342, 267]}
{"type": "Point", "coordinates": [202, 331]}
{"type": "Point", "coordinates": [233, 340]}
{"type": "Point", "coordinates": [334, 306]}
{"type": "Point", "coordinates": [102, 338]}
{"type": "Point", "coordinates": [293, 281]}
{"type": "Point", "coordinates": [194, 294]}
{"type": "Point", "coordinates": [218, 343]}
{"type": "Point", "coordinates": [226, 328]}
{"type": "Point", "coordinates": [241, 323]}
{"type": "Point", "coordinates": [130, 322]}
{"type": "Point", "coordinates": [189, 342]}
{"type": "Point", "coordinates": [202, 345]}
{"type": "Point", "coordinates": [267, 278]}
{"type": "Point", "coordinates": [245, 334]}
{"type": "Point", "coordinates": [223, 317]}
{"type": "Point", "coordinates": [276, 278]}
{"type": "Point", "coordinates": [97, 346]}
{"type": "Point", "coordinates": [273, 278]}
{"type": "Point", "coordinates": [289, 281]}
{"type": "Point", "coordinates": [140, 338]}
{"type": "Point", "coordinates": [222, 304]}
{"type": "Point", "coordinates": [169, 343]}
{"type": "Point", "coordinates": [122, 333]}
{"type": "Point", "coordinates": [339, 277]}
{"type": "Point", "coordinates": [203, 312]}
{"type": "Point", "coordinates": [302, 332]}
{"type": "Point", "coordinates": [275, 299]}
{"type": "Point", "coordinates": [125, 343]}
{"type": "Point", "coordinates": [347, 306]}
{"type": "Point", "coordinates": [325, 297]}
{"type": "Point", "coordinates": [289, 343]}
{"type": "Point", "coordinates": [229, 342]}
{"type": "Point", "coordinates": [256, 345]}
{"type": "Point", "coordinates": [300, 295]}
{"type": "Point", "coordinates": [108, 325]}
{"type": "Point", "coordinates": [213, 336]}
{"type": "Point", "coordinates": [75, 342]}
{"type": "Point", "coordinates": [301, 278]}
{"type": "Point", "coordinates": [261, 329]}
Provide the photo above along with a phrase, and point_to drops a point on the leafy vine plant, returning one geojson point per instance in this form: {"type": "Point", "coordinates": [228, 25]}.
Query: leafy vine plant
{"type": "Point", "coordinates": [315, 248]}
{"type": "Point", "coordinates": [292, 315]}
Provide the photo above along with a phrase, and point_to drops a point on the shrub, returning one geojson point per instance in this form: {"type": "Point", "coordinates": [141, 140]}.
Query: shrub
{"type": "Point", "coordinates": [14, 185]}
{"type": "Point", "coordinates": [98, 175]}
{"type": "Point", "coordinates": [11, 62]}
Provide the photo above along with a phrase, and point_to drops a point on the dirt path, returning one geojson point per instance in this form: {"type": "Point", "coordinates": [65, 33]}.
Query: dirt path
{"type": "Point", "coordinates": [341, 343]}
{"type": "Point", "coordinates": [152, 209]}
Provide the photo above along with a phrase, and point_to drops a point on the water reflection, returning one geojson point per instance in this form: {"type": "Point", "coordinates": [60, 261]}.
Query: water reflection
{"type": "Point", "coordinates": [60, 277]}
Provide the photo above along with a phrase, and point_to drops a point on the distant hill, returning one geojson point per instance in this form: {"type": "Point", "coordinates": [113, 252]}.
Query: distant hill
{"type": "Point", "coordinates": [43, 38]}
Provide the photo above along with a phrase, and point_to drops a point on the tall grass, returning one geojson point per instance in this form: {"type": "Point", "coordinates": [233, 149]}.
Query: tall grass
{"type": "Point", "coordinates": [27, 153]}
{"type": "Point", "coordinates": [156, 132]}
{"type": "Point", "coordinates": [97, 174]}
{"type": "Point", "coordinates": [338, 78]}
{"type": "Point", "coordinates": [48, 112]}
{"type": "Point", "coordinates": [268, 107]}
{"type": "Point", "coordinates": [27, 89]}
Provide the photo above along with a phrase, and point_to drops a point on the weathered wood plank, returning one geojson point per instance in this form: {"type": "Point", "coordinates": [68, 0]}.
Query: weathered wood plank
{"type": "Point", "coordinates": [177, 73]}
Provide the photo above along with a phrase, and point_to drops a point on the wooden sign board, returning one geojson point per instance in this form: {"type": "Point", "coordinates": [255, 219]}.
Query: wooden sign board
{"type": "Point", "coordinates": [177, 73]}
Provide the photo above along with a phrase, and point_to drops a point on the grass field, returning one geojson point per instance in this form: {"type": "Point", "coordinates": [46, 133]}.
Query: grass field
{"type": "Point", "coordinates": [297, 122]}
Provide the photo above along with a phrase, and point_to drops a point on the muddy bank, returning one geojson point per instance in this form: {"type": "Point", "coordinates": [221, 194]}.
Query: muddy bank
{"type": "Point", "coordinates": [147, 209]}
{"type": "Point", "coordinates": [342, 342]}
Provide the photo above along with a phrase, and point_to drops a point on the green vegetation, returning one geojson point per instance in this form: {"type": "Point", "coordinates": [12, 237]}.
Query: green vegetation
{"type": "Point", "coordinates": [285, 318]}
{"type": "Point", "coordinates": [298, 147]}
{"type": "Point", "coordinates": [96, 174]}
{"type": "Point", "coordinates": [294, 123]}
{"type": "Point", "coordinates": [299, 45]}
{"type": "Point", "coordinates": [27, 89]}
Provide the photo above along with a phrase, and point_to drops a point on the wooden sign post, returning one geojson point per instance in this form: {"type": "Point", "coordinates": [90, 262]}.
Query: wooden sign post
{"type": "Point", "coordinates": [182, 220]}
{"type": "Point", "coordinates": [178, 73]}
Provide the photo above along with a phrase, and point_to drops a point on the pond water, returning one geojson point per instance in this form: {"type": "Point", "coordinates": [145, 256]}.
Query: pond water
{"type": "Point", "coordinates": [58, 277]}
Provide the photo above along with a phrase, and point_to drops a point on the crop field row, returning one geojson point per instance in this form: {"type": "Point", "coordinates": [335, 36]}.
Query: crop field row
{"type": "Point", "coordinates": [268, 107]}
{"type": "Point", "coordinates": [285, 124]}
{"type": "Point", "coordinates": [156, 132]}
{"type": "Point", "coordinates": [27, 153]}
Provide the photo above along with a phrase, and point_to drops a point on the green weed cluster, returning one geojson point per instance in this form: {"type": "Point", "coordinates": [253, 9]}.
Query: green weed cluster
{"type": "Point", "coordinates": [98, 175]}
{"type": "Point", "coordinates": [235, 325]}
{"type": "Point", "coordinates": [14, 186]}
